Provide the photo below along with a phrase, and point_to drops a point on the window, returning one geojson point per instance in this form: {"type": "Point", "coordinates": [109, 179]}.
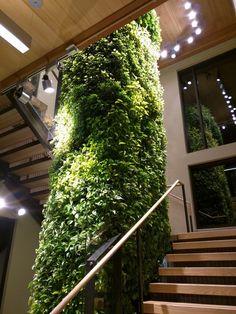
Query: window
{"type": "Point", "coordinates": [214, 191]}
{"type": "Point", "coordinates": [209, 102]}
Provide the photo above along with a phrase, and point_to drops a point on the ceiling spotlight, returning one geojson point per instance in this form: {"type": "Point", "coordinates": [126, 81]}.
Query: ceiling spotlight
{"type": "Point", "coordinates": [47, 84]}
{"type": "Point", "coordinates": [187, 5]}
{"type": "Point", "coordinates": [229, 97]}
{"type": "Point", "coordinates": [194, 23]}
{"type": "Point", "coordinates": [234, 122]}
{"type": "Point", "coordinates": [190, 39]}
{"type": "Point", "coordinates": [223, 127]}
{"type": "Point", "coordinates": [198, 31]}
{"type": "Point", "coordinates": [173, 55]}
{"type": "Point", "coordinates": [177, 47]}
{"type": "Point", "coordinates": [21, 95]}
{"type": "Point", "coordinates": [185, 88]}
{"type": "Point", "coordinates": [229, 106]}
{"type": "Point", "coordinates": [21, 212]}
{"type": "Point", "coordinates": [234, 118]}
{"type": "Point", "coordinates": [164, 53]}
{"type": "Point", "coordinates": [228, 102]}
{"type": "Point", "coordinates": [2, 203]}
{"type": "Point", "coordinates": [225, 96]}
{"type": "Point", "coordinates": [13, 34]}
{"type": "Point", "coordinates": [218, 79]}
{"type": "Point", "coordinates": [223, 93]}
{"type": "Point", "coordinates": [192, 14]}
{"type": "Point", "coordinates": [232, 110]}
{"type": "Point", "coordinates": [189, 83]}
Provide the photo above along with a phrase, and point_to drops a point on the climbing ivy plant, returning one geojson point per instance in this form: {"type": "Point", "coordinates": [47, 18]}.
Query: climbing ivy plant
{"type": "Point", "coordinates": [108, 168]}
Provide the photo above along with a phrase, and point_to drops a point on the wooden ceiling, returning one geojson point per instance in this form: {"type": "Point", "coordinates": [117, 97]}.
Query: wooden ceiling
{"type": "Point", "coordinates": [217, 19]}
{"type": "Point", "coordinates": [59, 23]}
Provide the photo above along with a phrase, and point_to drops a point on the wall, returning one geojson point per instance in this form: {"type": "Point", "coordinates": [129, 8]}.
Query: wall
{"type": "Point", "coordinates": [178, 160]}
{"type": "Point", "coordinates": [19, 272]}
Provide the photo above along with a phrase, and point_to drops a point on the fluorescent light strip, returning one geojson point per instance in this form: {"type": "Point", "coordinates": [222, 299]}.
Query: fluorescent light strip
{"type": "Point", "coordinates": [12, 39]}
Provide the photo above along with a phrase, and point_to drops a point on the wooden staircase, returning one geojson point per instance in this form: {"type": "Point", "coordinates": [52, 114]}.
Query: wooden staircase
{"type": "Point", "coordinates": [24, 160]}
{"type": "Point", "coordinates": [200, 277]}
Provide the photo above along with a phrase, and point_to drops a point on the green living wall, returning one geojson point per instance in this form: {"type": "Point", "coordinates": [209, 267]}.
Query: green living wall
{"type": "Point", "coordinates": [109, 165]}
{"type": "Point", "coordinates": [211, 188]}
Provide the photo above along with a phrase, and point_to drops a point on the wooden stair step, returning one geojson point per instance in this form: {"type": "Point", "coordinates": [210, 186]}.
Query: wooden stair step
{"type": "Point", "coordinates": [162, 307]}
{"type": "Point", "coordinates": [188, 288]}
{"type": "Point", "coordinates": [229, 243]}
{"type": "Point", "coordinates": [35, 166]}
{"type": "Point", "coordinates": [198, 257]}
{"type": "Point", "coordinates": [9, 118]}
{"type": "Point", "coordinates": [22, 152]}
{"type": "Point", "coordinates": [36, 182]}
{"type": "Point", "coordinates": [198, 271]}
{"type": "Point", "coordinates": [15, 136]}
{"type": "Point", "coordinates": [40, 194]}
{"type": "Point", "coordinates": [224, 233]}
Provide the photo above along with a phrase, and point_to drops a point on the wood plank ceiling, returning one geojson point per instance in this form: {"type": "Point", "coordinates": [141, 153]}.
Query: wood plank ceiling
{"type": "Point", "coordinates": [59, 23]}
{"type": "Point", "coordinates": [217, 19]}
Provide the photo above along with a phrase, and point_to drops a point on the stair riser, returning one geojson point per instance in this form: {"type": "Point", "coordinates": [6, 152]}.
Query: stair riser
{"type": "Point", "coordinates": [151, 307]}
{"type": "Point", "coordinates": [200, 280]}
{"type": "Point", "coordinates": [223, 300]}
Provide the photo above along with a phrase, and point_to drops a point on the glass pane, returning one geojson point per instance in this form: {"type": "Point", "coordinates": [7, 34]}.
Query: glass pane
{"type": "Point", "coordinates": [214, 189]}
{"type": "Point", "coordinates": [191, 111]}
{"type": "Point", "coordinates": [216, 82]}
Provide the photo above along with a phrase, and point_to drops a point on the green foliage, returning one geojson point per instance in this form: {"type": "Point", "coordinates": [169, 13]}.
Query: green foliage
{"type": "Point", "coordinates": [109, 166]}
{"type": "Point", "coordinates": [212, 131]}
{"type": "Point", "coordinates": [211, 186]}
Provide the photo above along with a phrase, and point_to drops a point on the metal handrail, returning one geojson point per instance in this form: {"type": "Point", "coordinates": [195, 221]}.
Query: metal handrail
{"type": "Point", "coordinates": [108, 256]}
{"type": "Point", "coordinates": [179, 198]}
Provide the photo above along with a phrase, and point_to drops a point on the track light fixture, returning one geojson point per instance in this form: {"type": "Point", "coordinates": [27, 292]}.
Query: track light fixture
{"type": "Point", "coordinates": [22, 96]}
{"type": "Point", "coordinates": [47, 84]}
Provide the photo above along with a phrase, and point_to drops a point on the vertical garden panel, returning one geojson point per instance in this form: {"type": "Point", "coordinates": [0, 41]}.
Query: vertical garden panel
{"type": "Point", "coordinates": [109, 165]}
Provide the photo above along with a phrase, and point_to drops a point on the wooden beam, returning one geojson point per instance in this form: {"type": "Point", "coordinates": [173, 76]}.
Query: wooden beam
{"type": "Point", "coordinates": [105, 27]}
{"type": "Point", "coordinates": [201, 44]}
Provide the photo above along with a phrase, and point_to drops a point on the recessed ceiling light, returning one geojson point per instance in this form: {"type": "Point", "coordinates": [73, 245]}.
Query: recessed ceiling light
{"type": "Point", "coordinates": [190, 39]}
{"type": "Point", "coordinates": [13, 34]}
{"type": "Point", "coordinates": [192, 14]}
{"type": "Point", "coordinates": [177, 47]}
{"type": "Point", "coordinates": [164, 53]}
{"type": "Point", "coordinates": [187, 5]}
{"type": "Point", "coordinates": [194, 23]}
{"type": "Point", "coordinates": [223, 127]}
{"type": "Point", "coordinates": [173, 55]}
{"type": "Point", "coordinates": [198, 31]}
{"type": "Point", "coordinates": [36, 3]}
